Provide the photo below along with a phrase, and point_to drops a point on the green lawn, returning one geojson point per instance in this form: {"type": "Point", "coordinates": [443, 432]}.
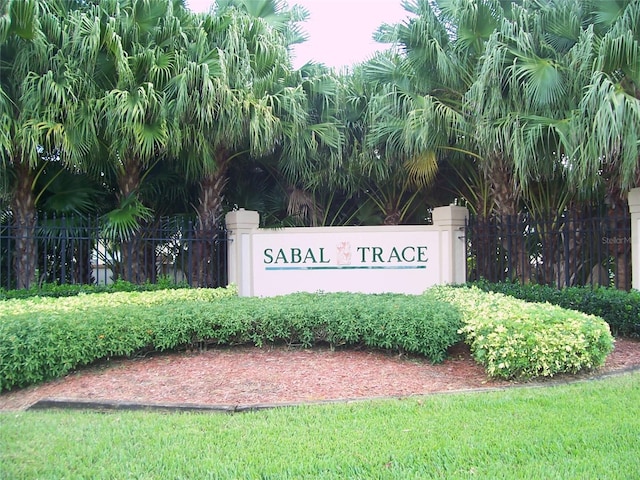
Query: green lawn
{"type": "Point", "coordinates": [584, 430]}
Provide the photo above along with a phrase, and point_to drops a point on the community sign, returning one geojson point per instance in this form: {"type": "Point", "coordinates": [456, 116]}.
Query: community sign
{"type": "Point", "coordinates": [346, 259]}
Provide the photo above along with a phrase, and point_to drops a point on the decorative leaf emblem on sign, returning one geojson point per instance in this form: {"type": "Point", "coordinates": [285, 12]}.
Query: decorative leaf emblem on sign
{"type": "Point", "coordinates": [344, 253]}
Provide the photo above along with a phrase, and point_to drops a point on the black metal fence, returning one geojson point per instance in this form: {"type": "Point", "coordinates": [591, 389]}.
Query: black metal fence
{"type": "Point", "coordinates": [567, 250]}
{"type": "Point", "coordinates": [73, 250]}
{"type": "Point", "coordinates": [570, 249]}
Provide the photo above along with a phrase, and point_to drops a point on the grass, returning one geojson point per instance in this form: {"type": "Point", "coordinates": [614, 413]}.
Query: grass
{"type": "Point", "coordinates": [581, 430]}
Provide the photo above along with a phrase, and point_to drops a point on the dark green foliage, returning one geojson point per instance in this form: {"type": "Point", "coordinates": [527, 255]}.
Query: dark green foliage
{"type": "Point", "coordinates": [45, 338]}
{"type": "Point", "coordinates": [620, 309]}
{"type": "Point", "coordinates": [70, 290]}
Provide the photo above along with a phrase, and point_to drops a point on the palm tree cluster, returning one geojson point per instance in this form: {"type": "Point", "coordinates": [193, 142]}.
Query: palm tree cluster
{"type": "Point", "coordinates": [138, 109]}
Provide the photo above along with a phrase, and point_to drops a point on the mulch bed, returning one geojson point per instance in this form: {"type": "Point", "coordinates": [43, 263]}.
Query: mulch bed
{"type": "Point", "coordinates": [244, 377]}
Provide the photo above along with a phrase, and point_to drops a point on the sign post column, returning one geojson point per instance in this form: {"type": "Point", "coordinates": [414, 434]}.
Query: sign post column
{"type": "Point", "coordinates": [634, 210]}
{"type": "Point", "coordinates": [241, 224]}
{"type": "Point", "coordinates": [452, 221]}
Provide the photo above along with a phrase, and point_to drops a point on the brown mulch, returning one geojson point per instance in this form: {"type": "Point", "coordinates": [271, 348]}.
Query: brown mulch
{"type": "Point", "coordinates": [245, 376]}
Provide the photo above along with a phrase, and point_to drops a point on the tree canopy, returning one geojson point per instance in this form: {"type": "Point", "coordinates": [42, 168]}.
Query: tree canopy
{"type": "Point", "coordinates": [134, 109]}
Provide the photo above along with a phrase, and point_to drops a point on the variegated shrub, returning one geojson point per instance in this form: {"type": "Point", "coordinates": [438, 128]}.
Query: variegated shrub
{"type": "Point", "coordinates": [515, 339]}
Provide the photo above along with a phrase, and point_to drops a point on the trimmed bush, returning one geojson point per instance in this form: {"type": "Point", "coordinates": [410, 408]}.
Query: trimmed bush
{"type": "Point", "coordinates": [515, 339]}
{"type": "Point", "coordinates": [45, 338]}
{"type": "Point", "coordinates": [620, 309]}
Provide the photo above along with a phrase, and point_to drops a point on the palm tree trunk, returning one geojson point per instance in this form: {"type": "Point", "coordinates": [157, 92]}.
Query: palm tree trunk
{"type": "Point", "coordinates": [483, 248]}
{"type": "Point", "coordinates": [212, 184]}
{"type": "Point", "coordinates": [572, 240]}
{"type": "Point", "coordinates": [620, 249]}
{"type": "Point", "coordinates": [25, 221]}
{"type": "Point", "coordinates": [505, 195]}
{"type": "Point", "coordinates": [618, 222]}
{"type": "Point", "coordinates": [483, 239]}
{"type": "Point", "coordinates": [547, 271]}
{"type": "Point", "coordinates": [392, 214]}
{"type": "Point", "coordinates": [131, 268]}
{"type": "Point", "coordinates": [82, 266]}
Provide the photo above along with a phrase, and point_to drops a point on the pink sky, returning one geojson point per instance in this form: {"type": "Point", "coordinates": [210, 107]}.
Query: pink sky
{"type": "Point", "coordinates": [339, 30]}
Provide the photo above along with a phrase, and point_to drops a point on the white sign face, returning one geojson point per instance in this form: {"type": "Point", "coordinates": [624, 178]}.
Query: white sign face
{"type": "Point", "coordinates": [345, 260]}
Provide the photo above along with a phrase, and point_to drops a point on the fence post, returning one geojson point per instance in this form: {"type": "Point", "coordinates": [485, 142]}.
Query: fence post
{"type": "Point", "coordinates": [452, 221]}
{"type": "Point", "coordinates": [634, 210]}
{"type": "Point", "coordinates": [240, 226]}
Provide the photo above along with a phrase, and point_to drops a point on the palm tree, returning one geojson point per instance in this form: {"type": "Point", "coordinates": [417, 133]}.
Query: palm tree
{"type": "Point", "coordinates": [228, 96]}
{"type": "Point", "coordinates": [525, 95]}
{"type": "Point", "coordinates": [312, 160]}
{"type": "Point", "coordinates": [416, 112]}
{"type": "Point", "coordinates": [495, 88]}
{"type": "Point", "coordinates": [529, 100]}
{"type": "Point", "coordinates": [143, 41]}
{"type": "Point", "coordinates": [608, 156]}
{"type": "Point", "coordinates": [43, 109]}
{"type": "Point", "coordinates": [404, 140]}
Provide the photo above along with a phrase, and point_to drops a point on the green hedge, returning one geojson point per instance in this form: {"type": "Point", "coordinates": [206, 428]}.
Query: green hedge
{"type": "Point", "coordinates": [45, 338]}
{"type": "Point", "coordinates": [515, 339]}
{"type": "Point", "coordinates": [71, 290]}
{"type": "Point", "coordinates": [620, 309]}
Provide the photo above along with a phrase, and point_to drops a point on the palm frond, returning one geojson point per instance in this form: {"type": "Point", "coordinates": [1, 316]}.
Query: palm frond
{"type": "Point", "coordinates": [123, 222]}
{"type": "Point", "coordinates": [612, 123]}
{"type": "Point", "coordinates": [23, 16]}
{"type": "Point", "coordinates": [541, 78]}
{"type": "Point", "coordinates": [422, 169]}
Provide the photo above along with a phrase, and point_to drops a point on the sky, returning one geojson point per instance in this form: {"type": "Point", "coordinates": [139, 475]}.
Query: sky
{"type": "Point", "coordinates": [339, 31]}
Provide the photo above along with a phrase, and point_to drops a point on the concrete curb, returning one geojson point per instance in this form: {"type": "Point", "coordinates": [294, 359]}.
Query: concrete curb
{"type": "Point", "coordinates": [115, 405]}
